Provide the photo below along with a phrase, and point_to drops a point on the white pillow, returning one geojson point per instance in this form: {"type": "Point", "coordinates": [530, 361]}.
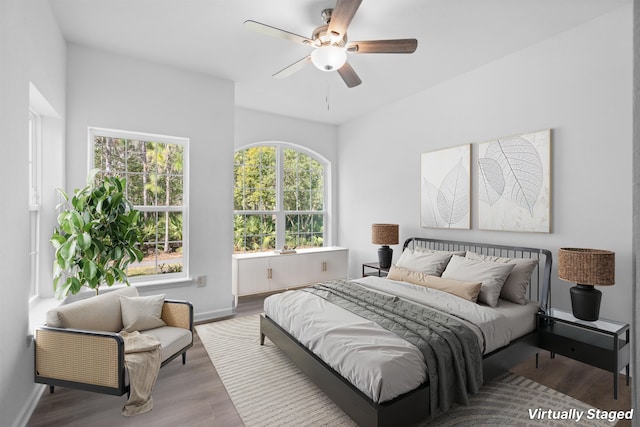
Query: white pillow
{"type": "Point", "coordinates": [491, 274]}
{"type": "Point", "coordinates": [429, 263]}
{"type": "Point", "coordinates": [142, 313]}
{"type": "Point", "coordinates": [516, 284]}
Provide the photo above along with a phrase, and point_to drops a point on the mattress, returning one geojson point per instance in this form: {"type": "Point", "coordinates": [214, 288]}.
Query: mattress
{"type": "Point", "coordinates": [379, 363]}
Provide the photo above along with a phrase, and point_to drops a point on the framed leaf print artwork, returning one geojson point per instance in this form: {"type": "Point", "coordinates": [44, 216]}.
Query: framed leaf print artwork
{"type": "Point", "coordinates": [445, 188]}
{"type": "Point", "coordinates": [514, 183]}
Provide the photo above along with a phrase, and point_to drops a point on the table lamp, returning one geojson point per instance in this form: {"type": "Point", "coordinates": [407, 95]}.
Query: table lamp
{"type": "Point", "coordinates": [385, 235]}
{"type": "Point", "coordinates": [587, 268]}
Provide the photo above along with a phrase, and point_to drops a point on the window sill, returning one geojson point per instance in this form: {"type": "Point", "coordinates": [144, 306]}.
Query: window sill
{"type": "Point", "coordinates": [38, 308]}
{"type": "Point", "coordinates": [161, 283]}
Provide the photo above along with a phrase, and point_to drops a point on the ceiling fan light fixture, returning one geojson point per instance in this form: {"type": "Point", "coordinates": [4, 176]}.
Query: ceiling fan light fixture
{"type": "Point", "coordinates": [329, 58]}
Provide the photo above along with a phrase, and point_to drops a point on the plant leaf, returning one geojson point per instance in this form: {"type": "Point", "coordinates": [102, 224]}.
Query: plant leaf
{"type": "Point", "coordinates": [522, 169]}
{"type": "Point", "coordinates": [68, 250]}
{"type": "Point", "coordinates": [429, 216]}
{"type": "Point", "coordinates": [89, 269]}
{"type": "Point", "coordinates": [491, 180]}
{"type": "Point", "coordinates": [62, 291]}
{"type": "Point", "coordinates": [453, 195]}
{"type": "Point", "coordinates": [84, 241]}
{"type": "Point", "coordinates": [57, 240]}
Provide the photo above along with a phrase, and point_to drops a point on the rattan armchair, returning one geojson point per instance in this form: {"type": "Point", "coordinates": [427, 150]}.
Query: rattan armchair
{"type": "Point", "coordinates": [93, 360]}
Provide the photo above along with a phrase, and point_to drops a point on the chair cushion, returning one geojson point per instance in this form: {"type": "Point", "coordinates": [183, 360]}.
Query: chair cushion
{"type": "Point", "coordinates": [171, 339]}
{"type": "Point", "coordinates": [98, 313]}
{"type": "Point", "coordinates": [141, 313]}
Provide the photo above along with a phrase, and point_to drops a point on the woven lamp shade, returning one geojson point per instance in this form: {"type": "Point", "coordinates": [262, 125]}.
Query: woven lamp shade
{"type": "Point", "coordinates": [587, 266]}
{"type": "Point", "coordinates": [384, 234]}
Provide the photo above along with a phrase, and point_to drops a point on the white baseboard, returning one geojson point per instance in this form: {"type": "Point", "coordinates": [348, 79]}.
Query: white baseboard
{"type": "Point", "coordinates": [29, 405]}
{"type": "Point", "coordinates": [213, 314]}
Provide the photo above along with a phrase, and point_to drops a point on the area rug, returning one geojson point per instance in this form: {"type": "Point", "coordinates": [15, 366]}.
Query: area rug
{"type": "Point", "coordinates": [267, 389]}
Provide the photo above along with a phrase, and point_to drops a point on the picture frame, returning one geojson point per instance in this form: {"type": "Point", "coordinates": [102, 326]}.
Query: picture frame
{"type": "Point", "coordinates": [514, 183]}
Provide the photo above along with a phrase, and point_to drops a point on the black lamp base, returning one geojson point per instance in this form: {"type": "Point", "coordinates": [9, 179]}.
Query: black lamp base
{"type": "Point", "coordinates": [385, 253]}
{"type": "Point", "coordinates": [585, 302]}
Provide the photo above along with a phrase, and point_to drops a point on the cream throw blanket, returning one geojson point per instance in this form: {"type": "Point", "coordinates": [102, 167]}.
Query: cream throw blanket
{"type": "Point", "coordinates": [142, 357]}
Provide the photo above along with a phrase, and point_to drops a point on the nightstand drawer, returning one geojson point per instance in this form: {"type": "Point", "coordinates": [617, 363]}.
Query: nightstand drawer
{"type": "Point", "coordinates": [583, 352]}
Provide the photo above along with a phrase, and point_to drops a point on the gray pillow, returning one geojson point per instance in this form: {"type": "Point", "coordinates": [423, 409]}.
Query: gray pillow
{"type": "Point", "coordinates": [142, 313]}
{"type": "Point", "coordinates": [491, 274]}
{"type": "Point", "coordinates": [424, 262]}
{"type": "Point", "coordinates": [516, 285]}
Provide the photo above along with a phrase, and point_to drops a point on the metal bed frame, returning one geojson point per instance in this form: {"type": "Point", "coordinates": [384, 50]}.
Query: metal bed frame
{"type": "Point", "coordinates": [413, 406]}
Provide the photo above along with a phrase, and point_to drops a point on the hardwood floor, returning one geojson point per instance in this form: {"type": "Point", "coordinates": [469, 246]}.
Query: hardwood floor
{"type": "Point", "coordinates": [193, 395]}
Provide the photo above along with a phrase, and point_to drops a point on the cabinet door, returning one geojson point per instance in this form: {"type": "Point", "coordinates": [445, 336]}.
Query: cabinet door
{"type": "Point", "coordinates": [323, 266]}
{"type": "Point", "coordinates": [252, 276]}
{"type": "Point", "coordinates": [333, 265]}
{"type": "Point", "coordinates": [284, 272]}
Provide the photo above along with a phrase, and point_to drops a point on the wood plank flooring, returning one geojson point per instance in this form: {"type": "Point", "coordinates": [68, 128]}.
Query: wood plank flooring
{"type": "Point", "coordinates": [193, 395]}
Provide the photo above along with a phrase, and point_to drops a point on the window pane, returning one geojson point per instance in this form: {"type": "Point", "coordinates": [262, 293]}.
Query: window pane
{"type": "Point", "coordinates": [317, 201]}
{"type": "Point", "coordinates": [254, 233]}
{"type": "Point", "coordinates": [304, 230]}
{"type": "Point", "coordinates": [135, 189]}
{"type": "Point", "coordinates": [154, 173]}
{"type": "Point", "coordinates": [175, 194]}
{"type": "Point", "coordinates": [136, 156]}
{"type": "Point", "coordinates": [257, 180]}
{"type": "Point", "coordinates": [290, 200]}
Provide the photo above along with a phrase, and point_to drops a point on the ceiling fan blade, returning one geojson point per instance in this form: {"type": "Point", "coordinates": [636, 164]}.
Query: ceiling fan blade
{"type": "Point", "coordinates": [277, 32]}
{"type": "Point", "coordinates": [342, 15]}
{"type": "Point", "coordinates": [296, 66]}
{"type": "Point", "coordinates": [383, 46]}
{"type": "Point", "coordinates": [349, 76]}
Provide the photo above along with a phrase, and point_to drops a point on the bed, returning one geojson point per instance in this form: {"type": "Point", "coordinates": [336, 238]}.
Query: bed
{"type": "Point", "coordinates": [380, 378]}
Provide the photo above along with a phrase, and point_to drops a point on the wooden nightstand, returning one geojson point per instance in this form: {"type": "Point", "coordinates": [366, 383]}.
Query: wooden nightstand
{"type": "Point", "coordinates": [378, 271]}
{"type": "Point", "coordinates": [594, 343]}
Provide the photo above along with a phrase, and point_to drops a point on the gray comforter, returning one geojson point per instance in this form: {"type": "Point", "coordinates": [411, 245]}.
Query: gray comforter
{"type": "Point", "coordinates": [451, 351]}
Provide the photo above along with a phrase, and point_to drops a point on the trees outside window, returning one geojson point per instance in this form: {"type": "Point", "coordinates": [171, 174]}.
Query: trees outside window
{"type": "Point", "coordinates": [279, 198]}
{"type": "Point", "coordinates": [155, 169]}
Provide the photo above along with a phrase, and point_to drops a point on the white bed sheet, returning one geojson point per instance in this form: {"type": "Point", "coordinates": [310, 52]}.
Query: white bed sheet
{"type": "Point", "coordinates": [384, 365]}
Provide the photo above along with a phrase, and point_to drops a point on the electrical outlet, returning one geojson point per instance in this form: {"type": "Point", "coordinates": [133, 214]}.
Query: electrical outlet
{"type": "Point", "coordinates": [201, 281]}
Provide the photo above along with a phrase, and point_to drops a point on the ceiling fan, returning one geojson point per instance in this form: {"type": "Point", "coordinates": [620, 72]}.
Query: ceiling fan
{"type": "Point", "coordinates": [331, 45]}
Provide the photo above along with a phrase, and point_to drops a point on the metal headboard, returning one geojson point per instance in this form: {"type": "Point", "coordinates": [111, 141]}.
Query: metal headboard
{"type": "Point", "coordinates": [540, 278]}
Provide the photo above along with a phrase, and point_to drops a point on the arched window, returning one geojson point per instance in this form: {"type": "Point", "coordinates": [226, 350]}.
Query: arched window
{"type": "Point", "coordinates": [280, 198]}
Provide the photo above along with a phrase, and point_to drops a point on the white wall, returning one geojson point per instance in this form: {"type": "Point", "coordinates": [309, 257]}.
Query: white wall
{"type": "Point", "coordinates": [578, 83]}
{"type": "Point", "coordinates": [254, 126]}
{"type": "Point", "coordinates": [31, 50]}
{"type": "Point", "coordinates": [118, 92]}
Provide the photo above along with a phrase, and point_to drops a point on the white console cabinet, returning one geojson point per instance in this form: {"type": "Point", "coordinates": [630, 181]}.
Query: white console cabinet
{"type": "Point", "coordinates": [263, 272]}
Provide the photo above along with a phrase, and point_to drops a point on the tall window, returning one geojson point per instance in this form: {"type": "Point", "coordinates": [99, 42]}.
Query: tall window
{"type": "Point", "coordinates": [155, 169]}
{"type": "Point", "coordinates": [34, 199]}
{"type": "Point", "coordinates": [279, 199]}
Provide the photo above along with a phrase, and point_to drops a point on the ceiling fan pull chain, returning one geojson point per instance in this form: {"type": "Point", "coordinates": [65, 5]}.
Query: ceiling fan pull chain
{"type": "Point", "coordinates": [326, 98]}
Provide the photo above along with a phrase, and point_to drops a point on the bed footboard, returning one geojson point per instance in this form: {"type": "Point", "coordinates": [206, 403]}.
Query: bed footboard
{"type": "Point", "coordinates": [404, 410]}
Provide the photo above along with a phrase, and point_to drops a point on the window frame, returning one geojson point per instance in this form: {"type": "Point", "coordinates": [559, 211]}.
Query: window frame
{"type": "Point", "coordinates": [93, 132]}
{"type": "Point", "coordinates": [279, 211]}
{"type": "Point", "coordinates": [35, 191]}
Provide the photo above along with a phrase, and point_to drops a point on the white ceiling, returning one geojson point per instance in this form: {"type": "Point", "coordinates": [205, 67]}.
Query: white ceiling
{"type": "Point", "coordinates": [454, 36]}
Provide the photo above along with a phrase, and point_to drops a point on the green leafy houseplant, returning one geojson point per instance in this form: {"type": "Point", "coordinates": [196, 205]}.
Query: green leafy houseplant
{"type": "Point", "coordinates": [96, 237]}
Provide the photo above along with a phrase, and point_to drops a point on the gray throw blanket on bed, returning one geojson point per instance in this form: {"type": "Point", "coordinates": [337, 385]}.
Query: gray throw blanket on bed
{"type": "Point", "coordinates": [451, 351]}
